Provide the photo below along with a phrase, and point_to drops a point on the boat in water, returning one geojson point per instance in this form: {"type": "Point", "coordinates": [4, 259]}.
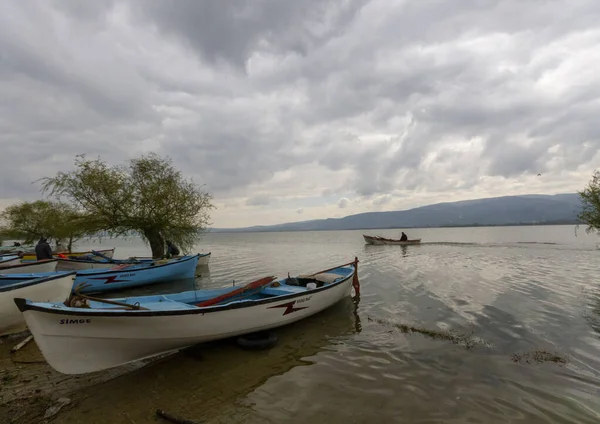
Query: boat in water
{"type": "Point", "coordinates": [9, 261]}
{"type": "Point", "coordinates": [77, 264]}
{"type": "Point", "coordinates": [87, 334]}
{"type": "Point", "coordinates": [124, 276]}
{"type": "Point", "coordinates": [383, 240]}
{"type": "Point", "coordinates": [88, 254]}
{"type": "Point", "coordinates": [53, 288]}
{"type": "Point", "coordinates": [43, 266]}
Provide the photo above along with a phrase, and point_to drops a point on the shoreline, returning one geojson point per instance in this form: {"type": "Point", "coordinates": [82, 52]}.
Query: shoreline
{"type": "Point", "coordinates": [30, 388]}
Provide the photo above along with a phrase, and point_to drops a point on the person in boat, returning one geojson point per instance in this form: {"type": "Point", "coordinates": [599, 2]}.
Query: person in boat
{"type": "Point", "coordinates": [403, 237]}
{"type": "Point", "coordinates": [172, 249]}
{"type": "Point", "coordinates": [43, 250]}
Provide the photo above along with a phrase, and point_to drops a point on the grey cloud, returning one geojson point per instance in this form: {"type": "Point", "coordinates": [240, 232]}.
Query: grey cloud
{"type": "Point", "coordinates": [300, 211]}
{"type": "Point", "coordinates": [343, 203]}
{"type": "Point", "coordinates": [233, 30]}
{"type": "Point", "coordinates": [117, 78]}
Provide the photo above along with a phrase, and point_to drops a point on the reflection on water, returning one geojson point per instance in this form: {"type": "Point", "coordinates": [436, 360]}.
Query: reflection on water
{"type": "Point", "coordinates": [519, 289]}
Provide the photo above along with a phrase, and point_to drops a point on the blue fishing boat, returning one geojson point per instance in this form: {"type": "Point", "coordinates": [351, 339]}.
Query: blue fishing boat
{"type": "Point", "coordinates": [122, 276]}
{"type": "Point", "coordinates": [102, 262]}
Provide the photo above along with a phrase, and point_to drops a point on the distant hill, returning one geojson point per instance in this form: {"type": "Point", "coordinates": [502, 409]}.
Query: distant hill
{"type": "Point", "coordinates": [534, 209]}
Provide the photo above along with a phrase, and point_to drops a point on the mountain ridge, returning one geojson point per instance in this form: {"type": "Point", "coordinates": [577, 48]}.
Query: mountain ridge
{"type": "Point", "coordinates": [528, 209]}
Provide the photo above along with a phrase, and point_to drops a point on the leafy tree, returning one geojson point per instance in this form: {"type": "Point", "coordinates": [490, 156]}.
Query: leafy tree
{"type": "Point", "coordinates": [147, 195]}
{"type": "Point", "coordinates": [28, 221]}
{"type": "Point", "coordinates": [590, 199]}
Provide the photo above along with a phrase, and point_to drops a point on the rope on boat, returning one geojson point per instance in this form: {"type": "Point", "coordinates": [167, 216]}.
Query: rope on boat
{"type": "Point", "coordinates": [78, 300]}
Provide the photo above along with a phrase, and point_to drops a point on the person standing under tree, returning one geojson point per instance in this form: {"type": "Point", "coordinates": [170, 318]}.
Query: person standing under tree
{"type": "Point", "coordinates": [172, 250]}
{"type": "Point", "coordinates": [43, 250]}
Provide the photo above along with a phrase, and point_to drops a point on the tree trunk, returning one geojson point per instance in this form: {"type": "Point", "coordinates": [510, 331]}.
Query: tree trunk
{"type": "Point", "coordinates": [157, 243]}
{"type": "Point", "coordinates": [70, 245]}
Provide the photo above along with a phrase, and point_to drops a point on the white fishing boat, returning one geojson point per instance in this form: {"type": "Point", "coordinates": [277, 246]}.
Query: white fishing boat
{"type": "Point", "coordinates": [47, 265]}
{"type": "Point", "coordinates": [382, 240]}
{"type": "Point", "coordinates": [96, 334]}
{"type": "Point", "coordinates": [9, 261]}
{"type": "Point", "coordinates": [53, 288]}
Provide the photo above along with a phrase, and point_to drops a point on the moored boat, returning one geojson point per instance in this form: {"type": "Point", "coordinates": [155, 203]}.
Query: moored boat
{"type": "Point", "coordinates": [203, 259]}
{"type": "Point", "coordinates": [83, 264]}
{"type": "Point", "coordinates": [125, 276]}
{"type": "Point", "coordinates": [9, 261]}
{"type": "Point", "coordinates": [46, 265]}
{"type": "Point", "coordinates": [53, 288]}
{"type": "Point", "coordinates": [383, 240]}
{"type": "Point", "coordinates": [107, 333]}
{"type": "Point", "coordinates": [108, 253]}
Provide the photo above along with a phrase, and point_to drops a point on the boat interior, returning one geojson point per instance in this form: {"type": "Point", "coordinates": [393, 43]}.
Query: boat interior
{"type": "Point", "coordinates": [190, 299]}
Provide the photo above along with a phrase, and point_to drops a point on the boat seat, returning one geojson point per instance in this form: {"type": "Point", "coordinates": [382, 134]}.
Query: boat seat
{"type": "Point", "coordinates": [166, 304]}
{"type": "Point", "coordinates": [283, 290]}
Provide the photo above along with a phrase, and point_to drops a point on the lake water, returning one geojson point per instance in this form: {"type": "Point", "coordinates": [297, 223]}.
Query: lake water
{"type": "Point", "coordinates": [509, 290]}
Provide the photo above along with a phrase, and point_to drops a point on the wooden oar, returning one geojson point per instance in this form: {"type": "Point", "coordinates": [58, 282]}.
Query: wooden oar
{"type": "Point", "coordinates": [102, 256]}
{"type": "Point", "coordinates": [253, 285]}
{"type": "Point", "coordinates": [354, 262]}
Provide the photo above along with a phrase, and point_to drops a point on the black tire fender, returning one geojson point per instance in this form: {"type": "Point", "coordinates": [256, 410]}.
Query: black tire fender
{"type": "Point", "coordinates": [258, 341]}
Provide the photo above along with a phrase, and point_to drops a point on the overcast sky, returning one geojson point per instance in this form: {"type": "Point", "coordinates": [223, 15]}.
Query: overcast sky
{"type": "Point", "coordinates": [294, 110]}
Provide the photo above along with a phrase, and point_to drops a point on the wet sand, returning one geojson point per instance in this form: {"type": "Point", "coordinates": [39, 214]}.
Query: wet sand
{"type": "Point", "coordinates": [29, 386]}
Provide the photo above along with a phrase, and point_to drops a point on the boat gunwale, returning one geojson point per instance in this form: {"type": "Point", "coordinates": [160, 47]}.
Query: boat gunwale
{"type": "Point", "coordinates": [99, 271]}
{"type": "Point", "coordinates": [23, 264]}
{"type": "Point", "coordinates": [34, 281]}
{"type": "Point", "coordinates": [124, 261]}
{"type": "Point", "coordinates": [25, 305]}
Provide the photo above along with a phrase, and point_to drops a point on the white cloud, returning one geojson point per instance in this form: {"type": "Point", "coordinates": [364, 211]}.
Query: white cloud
{"type": "Point", "coordinates": [343, 203]}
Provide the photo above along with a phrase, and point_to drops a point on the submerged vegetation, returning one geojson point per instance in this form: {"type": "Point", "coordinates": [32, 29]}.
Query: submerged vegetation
{"type": "Point", "coordinates": [539, 356]}
{"type": "Point", "coordinates": [463, 339]}
{"type": "Point", "coordinates": [470, 342]}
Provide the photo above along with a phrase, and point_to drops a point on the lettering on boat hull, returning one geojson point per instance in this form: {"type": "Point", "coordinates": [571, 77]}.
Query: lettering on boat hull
{"type": "Point", "coordinates": [75, 321]}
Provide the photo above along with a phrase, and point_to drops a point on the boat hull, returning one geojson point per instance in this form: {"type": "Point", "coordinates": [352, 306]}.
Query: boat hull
{"type": "Point", "coordinates": [203, 259]}
{"type": "Point", "coordinates": [55, 288]}
{"type": "Point", "coordinates": [48, 265]}
{"type": "Point", "coordinates": [75, 265]}
{"type": "Point", "coordinates": [101, 280]}
{"type": "Point", "coordinates": [77, 341]}
{"type": "Point", "coordinates": [382, 241]}
{"type": "Point", "coordinates": [80, 265]}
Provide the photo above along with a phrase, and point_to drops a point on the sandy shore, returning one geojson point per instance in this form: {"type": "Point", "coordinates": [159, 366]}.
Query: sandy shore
{"type": "Point", "coordinates": [29, 386]}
